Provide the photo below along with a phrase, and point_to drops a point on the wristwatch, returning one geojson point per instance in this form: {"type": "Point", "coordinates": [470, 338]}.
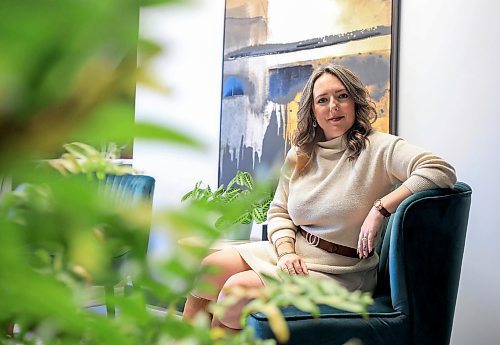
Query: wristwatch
{"type": "Point", "coordinates": [378, 206]}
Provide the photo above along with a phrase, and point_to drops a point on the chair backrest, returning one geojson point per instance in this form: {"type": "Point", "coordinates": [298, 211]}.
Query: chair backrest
{"type": "Point", "coordinates": [421, 258]}
{"type": "Point", "coordinates": [129, 190]}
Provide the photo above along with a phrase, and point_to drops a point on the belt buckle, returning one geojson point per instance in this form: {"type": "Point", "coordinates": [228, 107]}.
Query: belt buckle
{"type": "Point", "coordinates": [312, 240]}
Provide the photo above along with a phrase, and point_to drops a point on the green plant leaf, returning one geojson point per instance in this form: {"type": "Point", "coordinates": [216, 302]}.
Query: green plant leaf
{"type": "Point", "coordinates": [307, 305]}
{"type": "Point", "coordinates": [245, 218]}
{"type": "Point", "coordinates": [160, 2]}
{"type": "Point", "coordinates": [81, 150]}
{"type": "Point", "coordinates": [259, 214]}
{"type": "Point", "coordinates": [276, 322]}
{"type": "Point", "coordinates": [243, 178]}
{"type": "Point", "coordinates": [155, 132]}
{"type": "Point", "coordinates": [230, 195]}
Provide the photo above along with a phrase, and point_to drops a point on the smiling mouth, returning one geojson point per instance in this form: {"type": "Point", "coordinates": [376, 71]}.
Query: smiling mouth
{"type": "Point", "coordinates": [336, 118]}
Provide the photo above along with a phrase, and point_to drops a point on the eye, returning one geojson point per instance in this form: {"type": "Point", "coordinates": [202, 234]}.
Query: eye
{"type": "Point", "coordinates": [322, 100]}
{"type": "Point", "coordinates": [343, 96]}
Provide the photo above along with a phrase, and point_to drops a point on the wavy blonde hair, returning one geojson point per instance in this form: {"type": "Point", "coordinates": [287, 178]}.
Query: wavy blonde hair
{"type": "Point", "coordinates": [306, 135]}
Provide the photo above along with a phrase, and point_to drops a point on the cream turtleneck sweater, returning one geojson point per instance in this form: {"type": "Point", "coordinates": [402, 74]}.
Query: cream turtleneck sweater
{"type": "Point", "coordinates": [334, 197]}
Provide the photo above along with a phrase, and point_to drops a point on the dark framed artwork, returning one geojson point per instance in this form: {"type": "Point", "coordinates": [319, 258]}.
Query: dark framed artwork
{"type": "Point", "coordinates": [270, 49]}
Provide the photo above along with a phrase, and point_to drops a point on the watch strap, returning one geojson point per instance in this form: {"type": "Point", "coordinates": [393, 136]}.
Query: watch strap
{"type": "Point", "coordinates": [378, 206]}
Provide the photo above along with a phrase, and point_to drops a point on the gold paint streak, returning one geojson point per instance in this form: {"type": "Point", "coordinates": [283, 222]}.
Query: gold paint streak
{"type": "Point", "coordinates": [292, 118]}
{"type": "Point", "coordinates": [373, 45]}
{"type": "Point", "coordinates": [246, 9]}
{"type": "Point", "coordinates": [363, 14]}
{"type": "Point", "coordinates": [382, 123]}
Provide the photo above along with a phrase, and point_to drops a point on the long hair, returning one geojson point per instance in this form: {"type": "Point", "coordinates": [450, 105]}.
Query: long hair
{"type": "Point", "coordinates": [306, 135]}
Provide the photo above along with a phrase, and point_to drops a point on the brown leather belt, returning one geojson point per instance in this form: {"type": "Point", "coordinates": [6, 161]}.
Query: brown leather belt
{"type": "Point", "coordinates": [330, 246]}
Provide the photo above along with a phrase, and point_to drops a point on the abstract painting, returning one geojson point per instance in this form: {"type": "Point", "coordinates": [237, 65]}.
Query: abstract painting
{"type": "Point", "coordinates": [270, 49]}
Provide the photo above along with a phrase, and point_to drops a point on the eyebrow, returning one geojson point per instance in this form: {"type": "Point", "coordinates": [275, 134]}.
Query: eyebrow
{"type": "Point", "coordinates": [338, 91]}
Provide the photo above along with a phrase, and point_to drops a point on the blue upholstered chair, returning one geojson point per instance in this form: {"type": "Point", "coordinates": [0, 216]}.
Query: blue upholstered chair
{"type": "Point", "coordinates": [127, 190]}
{"type": "Point", "coordinates": [419, 271]}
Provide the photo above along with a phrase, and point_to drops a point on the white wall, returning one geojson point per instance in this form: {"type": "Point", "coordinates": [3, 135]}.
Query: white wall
{"type": "Point", "coordinates": [448, 102]}
{"type": "Point", "coordinates": [191, 65]}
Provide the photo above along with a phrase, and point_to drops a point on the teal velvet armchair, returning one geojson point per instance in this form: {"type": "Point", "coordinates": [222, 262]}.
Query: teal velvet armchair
{"type": "Point", "coordinates": [127, 190]}
{"type": "Point", "coordinates": [414, 302]}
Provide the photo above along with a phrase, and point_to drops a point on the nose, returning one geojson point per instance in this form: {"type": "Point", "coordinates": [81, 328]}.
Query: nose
{"type": "Point", "coordinates": [333, 104]}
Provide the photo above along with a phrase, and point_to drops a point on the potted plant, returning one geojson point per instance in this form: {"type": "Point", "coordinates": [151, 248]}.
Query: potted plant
{"type": "Point", "coordinates": [241, 202]}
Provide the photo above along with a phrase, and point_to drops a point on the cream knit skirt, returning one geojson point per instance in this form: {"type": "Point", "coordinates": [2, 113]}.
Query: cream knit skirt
{"type": "Point", "coordinates": [353, 273]}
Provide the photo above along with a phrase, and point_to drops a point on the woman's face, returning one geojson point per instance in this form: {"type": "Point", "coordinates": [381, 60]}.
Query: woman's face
{"type": "Point", "coordinates": [333, 107]}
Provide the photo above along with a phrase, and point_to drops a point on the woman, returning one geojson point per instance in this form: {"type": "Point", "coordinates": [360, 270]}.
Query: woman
{"type": "Point", "coordinates": [335, 190]}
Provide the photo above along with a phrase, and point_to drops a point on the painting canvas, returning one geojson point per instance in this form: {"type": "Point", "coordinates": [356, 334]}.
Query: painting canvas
{"type": "Point", "coordinates": [270, 49]}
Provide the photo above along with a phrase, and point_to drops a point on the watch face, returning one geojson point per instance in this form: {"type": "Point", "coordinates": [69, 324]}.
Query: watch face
{"type": "Point", "coordinates": [378, 206]}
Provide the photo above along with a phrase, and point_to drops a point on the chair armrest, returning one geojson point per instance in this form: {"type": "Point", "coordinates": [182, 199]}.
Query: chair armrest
{"type": "Point", "coordinates": [425, 256]}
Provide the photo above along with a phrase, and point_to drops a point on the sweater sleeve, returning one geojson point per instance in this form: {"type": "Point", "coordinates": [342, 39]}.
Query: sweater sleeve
{"type": "Point", "coordinates": [279, 222]}
{"type": "Point", "coordinates": [416, 168]}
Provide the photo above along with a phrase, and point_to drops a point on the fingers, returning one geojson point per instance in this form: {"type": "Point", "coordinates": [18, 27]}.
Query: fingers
{"type": "Point", "coordinates": [295, 266]}
{"type": "Point", "coordinates": [370, 244]}
{"type": "Point", "coordinates": [368, 233]}
{"type": "Point", "coordinates": [304, 267]}
{"type": "Point", "coordinates": [298, 267]}
{"type": "Point", "coordinates": [288, 269]}
{"type": "Point", "coordinates": [365, 245]}
{"type": "Point", "coordinates": [360, 246]}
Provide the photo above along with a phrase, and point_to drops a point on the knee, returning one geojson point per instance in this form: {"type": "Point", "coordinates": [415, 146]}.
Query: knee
{"type": "Point", "coordinates": [236, 281]}
{"type": "Point", "coordinates": [231, 318]}
{"type": "Point", "coordinates": [221, 267]}
{"type": "Point", "coordinates": [217, 261]}
{"type": "Point", "coordinates": [246, 280]}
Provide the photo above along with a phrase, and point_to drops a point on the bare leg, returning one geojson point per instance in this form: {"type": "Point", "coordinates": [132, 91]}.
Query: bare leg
{"type": "Point", "coordinates": [217, 323]}
{"type": "Point", "coordinates": [229, 262]}
{"type": "Point", "coordinates": [193, 306]}
{"type": "Point", "coordinates": [246, 279]}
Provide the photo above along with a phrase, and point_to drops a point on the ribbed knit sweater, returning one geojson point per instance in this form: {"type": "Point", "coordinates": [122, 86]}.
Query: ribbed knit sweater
{"type": "Point", "coordinates": [333, 198]}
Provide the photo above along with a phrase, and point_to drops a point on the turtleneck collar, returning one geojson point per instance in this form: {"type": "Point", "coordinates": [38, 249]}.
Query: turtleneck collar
{"type": "Point", "coordinates": [334, 145]}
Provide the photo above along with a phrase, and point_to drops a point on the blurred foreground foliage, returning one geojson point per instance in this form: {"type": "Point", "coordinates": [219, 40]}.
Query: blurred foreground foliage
{"type": "Point", "coordinates": [68, 71]}
{"type": "Point", "coordinates": [302, 292]}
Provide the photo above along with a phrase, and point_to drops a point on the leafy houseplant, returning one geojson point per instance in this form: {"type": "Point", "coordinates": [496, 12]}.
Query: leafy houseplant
{"type": "Point", "coordinates": [82, 158]}
{"type": "Point", "coordinates": [246, 202]}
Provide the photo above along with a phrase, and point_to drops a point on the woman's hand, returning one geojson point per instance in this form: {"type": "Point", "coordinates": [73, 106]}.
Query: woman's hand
{"type": "Point", "coordinates": [368, 233]}
{"type": "Point", "coordinates": [292, 264]}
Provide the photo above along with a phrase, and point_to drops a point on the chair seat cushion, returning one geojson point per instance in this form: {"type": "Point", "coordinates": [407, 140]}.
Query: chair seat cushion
{"type": "Point", "coordinates": [384, 325]}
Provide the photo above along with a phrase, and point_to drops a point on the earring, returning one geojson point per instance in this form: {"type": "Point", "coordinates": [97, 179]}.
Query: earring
{"type": "Point", "coordinates": [315, 124]}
